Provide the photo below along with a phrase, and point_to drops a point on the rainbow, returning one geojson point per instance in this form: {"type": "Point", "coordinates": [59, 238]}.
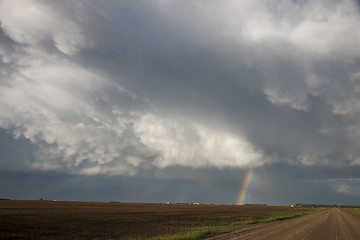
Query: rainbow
{"type": "Point", "coordinates": [245, 185]}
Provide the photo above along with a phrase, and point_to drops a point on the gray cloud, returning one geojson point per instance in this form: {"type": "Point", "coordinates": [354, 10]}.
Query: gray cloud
{"type": "Point", "coordinates": [128, 88]}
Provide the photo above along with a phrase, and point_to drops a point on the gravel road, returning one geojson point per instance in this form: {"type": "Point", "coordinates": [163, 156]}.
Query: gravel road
{"type": "Point", "coordinates": [329, 224]}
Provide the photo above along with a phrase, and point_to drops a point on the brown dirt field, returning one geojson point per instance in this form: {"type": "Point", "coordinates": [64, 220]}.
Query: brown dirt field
{"type": "Point", "coordinates": [328, 225]}
{"type": "Point", "coordinates": [92, 220]}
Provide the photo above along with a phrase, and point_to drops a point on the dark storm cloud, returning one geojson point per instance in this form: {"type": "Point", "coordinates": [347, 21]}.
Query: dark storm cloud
{"type": "Point", "coordinates": [261, 89]}
{"type": "Point", "coordinates": [178, 89]}
{"type": "Point", "coordinates": [15, 153]}
{"type": "Point", "coordinates": [58, 186]}
{"type": "Point", "coordinates": [288, 184]}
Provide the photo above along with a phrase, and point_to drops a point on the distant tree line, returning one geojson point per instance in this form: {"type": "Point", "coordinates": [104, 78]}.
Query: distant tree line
{"type": "Point", "coordinates": [326, 205]}
{"type": "Point", "coordinates": [256, 204]}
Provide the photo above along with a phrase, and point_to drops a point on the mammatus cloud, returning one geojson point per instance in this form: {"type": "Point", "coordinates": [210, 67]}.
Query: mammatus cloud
{"type": "Point", "coordinates": [203, 85]}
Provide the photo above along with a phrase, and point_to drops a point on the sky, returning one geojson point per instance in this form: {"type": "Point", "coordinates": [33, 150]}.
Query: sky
{"type": "Point", "coordinates": [181, 101]}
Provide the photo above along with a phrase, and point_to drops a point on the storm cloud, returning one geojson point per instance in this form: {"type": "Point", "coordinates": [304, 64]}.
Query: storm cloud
{"type": "Point", "coordinates": [175, 90]}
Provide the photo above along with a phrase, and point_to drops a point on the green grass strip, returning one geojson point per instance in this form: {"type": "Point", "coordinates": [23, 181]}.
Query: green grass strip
{"type": "Point", "coordinates": [353, 211]}
{"type": "Point", "coordinates": [191, 235]}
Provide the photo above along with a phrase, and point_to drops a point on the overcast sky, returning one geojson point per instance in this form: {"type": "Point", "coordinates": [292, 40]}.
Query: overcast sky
{"type": "Point", "coordinates": [155, 101]}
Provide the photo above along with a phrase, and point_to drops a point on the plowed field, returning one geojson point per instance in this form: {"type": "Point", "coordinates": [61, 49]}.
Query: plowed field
{"type": "Point", "coordinates": [90, 220]}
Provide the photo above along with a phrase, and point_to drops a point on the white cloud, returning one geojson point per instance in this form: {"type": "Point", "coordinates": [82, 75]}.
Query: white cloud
{"type": "Point", "coordinates": [185, 143]}
{"type": "Point", "coordinates": [325, 25]}
{"type": "Point", "coordinates": [283, 97]}
{"type": "Point", "coordinates": [289, 41]}
{"type": "Point", "coordinates": [34, 22]}
{"type": "Point", "coordinates": [343, 188]}
{"type": "Point", "coordinates": [71, 113]}
{"type": "Point", "coordinates": [316, 27]}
